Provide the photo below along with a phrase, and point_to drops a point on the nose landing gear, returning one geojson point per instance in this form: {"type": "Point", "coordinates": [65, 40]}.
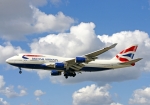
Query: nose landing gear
{"type": "Point", "coordinates": [20, 70]}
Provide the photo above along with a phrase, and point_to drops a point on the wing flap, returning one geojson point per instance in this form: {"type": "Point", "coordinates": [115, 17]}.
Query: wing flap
{"type": "Point", "coordinates": [70, 62]}
{"type": "Point", "coordinates": [77, 67]}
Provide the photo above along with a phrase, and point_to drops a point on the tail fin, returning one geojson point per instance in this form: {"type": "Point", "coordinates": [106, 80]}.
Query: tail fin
{"type": "Point", "coordinates": [126, 54]}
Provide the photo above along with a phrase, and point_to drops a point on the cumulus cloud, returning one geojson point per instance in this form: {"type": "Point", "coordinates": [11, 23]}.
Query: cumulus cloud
{"type": "Point", "coordinates": [2, 102]}
{"type": "Point", "coordinates": [8, 50]}
{"type": "Point", "coordinates": [51, 23]}
{"type": "Point", "coordinates": [38, 99]}
{"type": "Point", "coordinates": [39, 93]}
{"type": "Point", "coordinates": [22, 19]}
{"type": "Point", "coordinates": [82, 39]}
{"type": "Point", "coordinates": [16, 19]}
{"type": "Point", "coordinates": [9, 92]}
{"type": "Point", "coordinates": [147, 66]}
{"type": "Point", "coordinates": [2, 83]}
{"type": "Point", "coordinates": [116, 104]}
{"type": "Point", "coordinates": [93, 95]}
{"type": "Point", "coordinates": [127, 38]}
{"type": "Point", "coordinates": [140, 97]}
{"type": "Point", "coordinates": [43, 73]}
{"type": "Point", "coordinates": [38, 2]}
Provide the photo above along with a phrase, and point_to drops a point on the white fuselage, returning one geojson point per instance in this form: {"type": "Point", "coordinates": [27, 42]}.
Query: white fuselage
{"type": "Point", "coordinates": [32, 62]}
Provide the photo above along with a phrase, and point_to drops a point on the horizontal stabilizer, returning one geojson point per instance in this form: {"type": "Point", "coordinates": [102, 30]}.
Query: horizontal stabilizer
{"type": "Point", "coordinates": [131, 61]}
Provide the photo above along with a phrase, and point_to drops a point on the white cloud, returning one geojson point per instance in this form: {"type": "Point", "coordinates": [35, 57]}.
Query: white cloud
{"type": "Point", "coordinates": [21, 19]}
{"type": "Point", "coordinates": [38, 99]}
{"type": "Point", "coordinates": [147, 66]}
{"type": "Point", "coordinates": [7, 50]}
{"type": "Point", "coordinates": [82, 39]}
{"type": "Point", "coordinates": [17, 9]}
{"type": "Point", "coordinates": [115, 104]}
{"type": "Point", "coordinates": [43, 73]}
{"type": "Point", "coordinates": [2, 102]}
{"type": "Point", "coordinates": [16, 19]}
{"type": "Point", "coordinates": [140, 97]}
{"type": "Point", "coordinates": [2, 83]}
{"type": "Point", "coordinates": [38, 2]}
{"type": "Point", "coordinates": [51, 23]}
{"type": "Point", "coordinates": [127, 38]}
{"type": "Point", "coordinates": [38, 93]}
{"type": "Point", "coordinates": [9, 91]}
{"type": "Point", "coordinates": [93, 95]}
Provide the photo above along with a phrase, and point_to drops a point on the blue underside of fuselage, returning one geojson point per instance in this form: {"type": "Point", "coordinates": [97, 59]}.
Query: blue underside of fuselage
{"type": "Point", "coordinates": [39, 66]}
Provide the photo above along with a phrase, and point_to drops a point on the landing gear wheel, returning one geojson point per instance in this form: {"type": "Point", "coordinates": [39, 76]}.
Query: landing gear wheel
{"type": "Point", "coordinates": [74, 74]}
{"type": "Point", "coordinates": [20, 71]}
{"type": "Point", "coordinates": [66, 76]}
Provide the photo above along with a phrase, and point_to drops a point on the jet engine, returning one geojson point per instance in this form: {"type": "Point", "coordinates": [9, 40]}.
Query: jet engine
{"type": "Point", "coordinates": [59, 65]}
{"type": "Point", "coordinates": [55, 73]}
{"type": "Point", "coordinates": [81, 59]}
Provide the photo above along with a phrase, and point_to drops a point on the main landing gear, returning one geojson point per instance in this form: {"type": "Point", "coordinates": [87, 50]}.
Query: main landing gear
{"type": "Point", "coordinates": [20, 70]}
{"type": "Point", "coordinates": [67, 73]}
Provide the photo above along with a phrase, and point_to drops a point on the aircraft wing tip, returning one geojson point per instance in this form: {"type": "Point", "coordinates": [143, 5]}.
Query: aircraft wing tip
{"type": "Point", "coordinates": [112, 46]}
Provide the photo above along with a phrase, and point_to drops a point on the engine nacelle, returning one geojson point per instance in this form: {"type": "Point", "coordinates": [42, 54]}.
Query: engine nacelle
{"type": "Point", "coordinates": [55, 73]}
{"type": "Point", "coordinates": [80, 59]}
{"type": "Point", "coordinates": [59, 65]}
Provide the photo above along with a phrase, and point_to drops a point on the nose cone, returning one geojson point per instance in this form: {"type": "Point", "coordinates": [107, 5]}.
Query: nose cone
{"type": "Point", "coordinates": [8, 60]}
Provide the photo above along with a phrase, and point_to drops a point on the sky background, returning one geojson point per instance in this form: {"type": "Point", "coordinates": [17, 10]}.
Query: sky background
{"type": "Point", "coordinates": [70, 28]}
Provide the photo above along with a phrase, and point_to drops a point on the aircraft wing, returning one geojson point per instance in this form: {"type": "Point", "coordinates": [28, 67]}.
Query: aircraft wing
{"type": "Point", "coordinates": [73, 65]}
{"type": "Point", "coordinates": [98, 52]}
{"type": "Point", "coordinates": [90, 56]}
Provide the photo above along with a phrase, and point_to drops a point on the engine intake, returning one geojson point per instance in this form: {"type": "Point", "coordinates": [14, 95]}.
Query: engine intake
{"type": "Point", "coordinates": [55, 73]}
{"type": "Point", "coordinates": [80, 59]}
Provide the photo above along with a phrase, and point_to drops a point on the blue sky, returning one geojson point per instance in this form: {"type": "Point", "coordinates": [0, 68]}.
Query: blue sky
{"type": "Point", "coordinates": [70, 28]}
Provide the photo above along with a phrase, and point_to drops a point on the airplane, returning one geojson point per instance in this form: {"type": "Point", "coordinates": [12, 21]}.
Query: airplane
{"type": "Point", "coordinates": [70, 66]}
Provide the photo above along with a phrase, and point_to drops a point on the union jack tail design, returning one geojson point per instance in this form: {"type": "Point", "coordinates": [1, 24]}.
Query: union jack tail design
{"type": "Point", "coordinates": [126, 54]}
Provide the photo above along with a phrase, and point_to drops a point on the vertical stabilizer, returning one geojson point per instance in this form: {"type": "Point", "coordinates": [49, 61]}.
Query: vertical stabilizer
{"type": "Point", "coordinates": [126, 54]}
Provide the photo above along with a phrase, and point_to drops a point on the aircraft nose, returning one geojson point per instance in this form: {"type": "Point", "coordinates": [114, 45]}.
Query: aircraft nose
{"type": "Point", "coordinates": [8, 60]}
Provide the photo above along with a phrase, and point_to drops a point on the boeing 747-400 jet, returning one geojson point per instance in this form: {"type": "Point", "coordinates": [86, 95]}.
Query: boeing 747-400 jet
{"type": "Point", "coordinates": [69, 66]}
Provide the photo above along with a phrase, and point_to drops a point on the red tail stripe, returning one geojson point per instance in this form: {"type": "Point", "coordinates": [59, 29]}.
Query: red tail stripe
{"type": "Point", "coordinates": [122, 59]}
{"type": "Point", "coordinates": [133, 48]}
{"type": "Point", "coordinates": [121, 51]}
